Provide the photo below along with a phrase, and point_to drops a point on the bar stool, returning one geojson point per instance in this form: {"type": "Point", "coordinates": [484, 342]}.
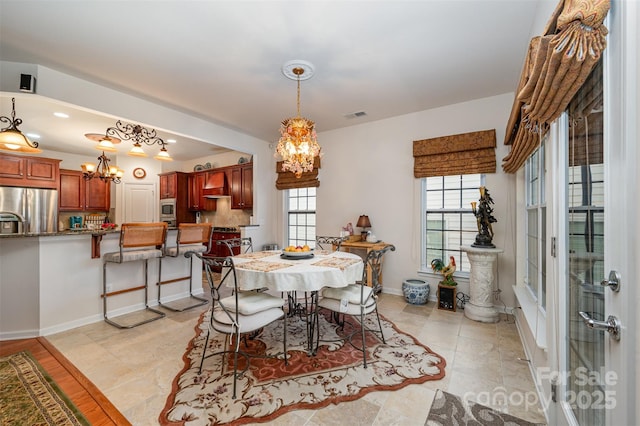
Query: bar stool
{"type": "Point", "coordinates": [243, 245]}
{"type": "Point", "coordinates": [192, 237]}
{"type": "Point", "coordinates": [138, 242]}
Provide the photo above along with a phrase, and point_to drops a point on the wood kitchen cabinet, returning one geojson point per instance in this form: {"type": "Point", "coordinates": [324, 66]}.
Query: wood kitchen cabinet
{"type": "Point", "coordinates": [241, 180]}
{"type": "Point", "coordinates": [31, 172]}
{"type": "Point", "coordinates": [77, 194]}
{"type": "Point", "coordinates": [174, 185]}
{"type": "Point", "coordinates": [196, 200]}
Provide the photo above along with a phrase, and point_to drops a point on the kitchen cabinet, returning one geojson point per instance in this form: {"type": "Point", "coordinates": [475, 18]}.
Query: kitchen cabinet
{"type": "Point", "coordinates": [196, 200]}
{"type": "Point", "coordinates": [241, 178]}
{"type": "Point", "coordinates": [77, 194]}
{"type": "Point", "coordinates": [30, 172]}
{"type": "Point", "coordinates": [176, 185]}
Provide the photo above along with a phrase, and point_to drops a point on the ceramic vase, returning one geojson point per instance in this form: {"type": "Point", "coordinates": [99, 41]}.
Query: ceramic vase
{"type": "Point", "coordinates": [415, 291]}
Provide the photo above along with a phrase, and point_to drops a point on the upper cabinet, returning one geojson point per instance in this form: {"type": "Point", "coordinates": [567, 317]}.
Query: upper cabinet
{"type": "Point", "coordinates": [78, 194]}
{"type": "Point", "coordinates": [177, 185]}
{"type": "Point", "coordinates": [33, 172]}
{"type": "Point", "coordinates": [197, 201]}
{"type": "Point", "coordinates": [241, 178]}
{"type": "Point", "coordinates": [169, 184]}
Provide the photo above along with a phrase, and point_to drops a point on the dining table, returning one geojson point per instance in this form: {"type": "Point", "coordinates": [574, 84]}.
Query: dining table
{"type": "Point", "coordinates": [298, 274]}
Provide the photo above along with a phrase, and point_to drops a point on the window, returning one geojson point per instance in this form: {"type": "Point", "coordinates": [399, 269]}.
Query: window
{"type": "Point", "coordinates": [301, 216]}
{"type": "Point", "coordinates": [536, 226]}
{"type": "Point", "coordinates": [449, 221]}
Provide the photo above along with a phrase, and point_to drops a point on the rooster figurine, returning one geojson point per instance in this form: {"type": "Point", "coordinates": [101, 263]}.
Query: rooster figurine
{"type": "Point", "coordinates": [446, 270]}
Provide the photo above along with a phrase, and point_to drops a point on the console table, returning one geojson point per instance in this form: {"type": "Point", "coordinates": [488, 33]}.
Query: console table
{"type": "Point", "coordinates": [364, 246]}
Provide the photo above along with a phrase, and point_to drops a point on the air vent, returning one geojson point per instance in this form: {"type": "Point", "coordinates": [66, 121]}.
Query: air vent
{"type": "Point", "coordinates": [355, 114]}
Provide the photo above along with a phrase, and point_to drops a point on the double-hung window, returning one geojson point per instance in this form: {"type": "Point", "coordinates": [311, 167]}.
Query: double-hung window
{"type": "Point", "coordinates": [536, 226]}
{"type": "Point", "coordinates": [449, 222]}
{"type": "Point", "coordinates": [301, 216]}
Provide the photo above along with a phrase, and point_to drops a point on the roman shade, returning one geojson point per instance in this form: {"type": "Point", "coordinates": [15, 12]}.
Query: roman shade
{"type": "Point", "coordinates": [466, 153]}
{"type": "Point", "coordinates": [556, 66]}
{"type": "Point", "coordinates": [288, 180]}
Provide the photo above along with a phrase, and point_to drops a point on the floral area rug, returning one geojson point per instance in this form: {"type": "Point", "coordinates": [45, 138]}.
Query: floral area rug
{"type": "Point", "coordinates": [29, 396]}
{"type": "Point", "coordinates": [270, 388]}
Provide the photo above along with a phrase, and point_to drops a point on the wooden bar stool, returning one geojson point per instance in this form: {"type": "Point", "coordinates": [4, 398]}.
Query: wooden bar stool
{"type": "Point", "coordinates": [192, 237]}
{"type": "Point", "coordinates": [138, 242]}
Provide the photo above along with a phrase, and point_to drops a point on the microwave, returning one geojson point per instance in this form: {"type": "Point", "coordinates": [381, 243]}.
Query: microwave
{"type": "Point", "coordinates": [168, 209]}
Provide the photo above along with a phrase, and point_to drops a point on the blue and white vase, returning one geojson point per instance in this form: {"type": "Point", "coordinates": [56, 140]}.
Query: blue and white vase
{"type": "Point", "coordinates": [415, 291]}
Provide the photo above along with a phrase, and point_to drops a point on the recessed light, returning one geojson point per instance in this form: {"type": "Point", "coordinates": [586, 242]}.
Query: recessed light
{"type": "Point", "coordinates": [171, 141]}
{"type": "Point", "coordinates": [61, 115]}
{"type": "Point", "coordinates": [33, 135]}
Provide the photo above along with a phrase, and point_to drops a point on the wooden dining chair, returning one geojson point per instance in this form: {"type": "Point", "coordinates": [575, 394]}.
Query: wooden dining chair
{"type": "Point", "coordinates": [240, 314]}
{"type": "Point", "coordinates": [360, 299]}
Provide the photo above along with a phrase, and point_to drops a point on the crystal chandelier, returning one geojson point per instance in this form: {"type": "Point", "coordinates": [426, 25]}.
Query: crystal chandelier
{"type": "Point", "coordinates": [12, 139]}
{"type": "Point", "coordinates": [297, 145]}
{"type": "Point", "coordinates": [103, 170]}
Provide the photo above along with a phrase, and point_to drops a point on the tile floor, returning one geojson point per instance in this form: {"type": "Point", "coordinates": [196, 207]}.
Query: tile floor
{"type": "Point", "coordinates": [134, 368]}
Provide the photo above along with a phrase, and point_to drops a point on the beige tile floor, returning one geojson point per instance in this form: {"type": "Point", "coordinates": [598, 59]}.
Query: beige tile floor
{"type": "Point", "coordinates": [134, 368]}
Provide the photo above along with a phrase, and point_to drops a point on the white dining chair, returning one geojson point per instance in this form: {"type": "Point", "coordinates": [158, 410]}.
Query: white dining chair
{"type": "Point", "coordinates": [242, 313]}
{"type": "Point", "coordinates": [356, 300]}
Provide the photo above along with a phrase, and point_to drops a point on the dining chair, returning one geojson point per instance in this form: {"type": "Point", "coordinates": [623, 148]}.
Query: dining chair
{"type": "Point", "coordinates": [138, 242]}
{"type": "Point", "coordinates": [357, 300]}
{"type": "Point", "coordinates": [329, 242]}
{"type": "Point", "coordinates": [244, 245]}
{"type": "Point", "coordinates": [190, 237]}
{"type": "Point", "coordinates": [240, 314]}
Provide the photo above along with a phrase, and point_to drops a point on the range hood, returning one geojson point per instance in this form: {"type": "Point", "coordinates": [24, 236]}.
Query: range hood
{"type": "Point", "coordinates": [215, 186]}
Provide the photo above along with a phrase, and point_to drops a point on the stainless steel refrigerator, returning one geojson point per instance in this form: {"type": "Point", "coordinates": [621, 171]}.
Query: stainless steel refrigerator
{"type": "Point", "coordinates": [37, 209]}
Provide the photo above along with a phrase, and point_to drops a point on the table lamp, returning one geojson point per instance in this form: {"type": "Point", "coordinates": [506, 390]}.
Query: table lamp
{"type": "Point", "coordinates": [364, 223]}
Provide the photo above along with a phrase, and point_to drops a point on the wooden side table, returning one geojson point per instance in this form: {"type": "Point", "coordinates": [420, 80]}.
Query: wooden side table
{"type": "Point", "coordinates": [364, 246]}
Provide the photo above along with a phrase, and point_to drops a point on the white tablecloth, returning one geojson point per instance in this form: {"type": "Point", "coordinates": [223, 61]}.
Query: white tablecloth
{"type": "Point", "coordinates": [324, 269]}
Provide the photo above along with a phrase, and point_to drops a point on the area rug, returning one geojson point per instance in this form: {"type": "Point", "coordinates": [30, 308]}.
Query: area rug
{"type": "Point", "coordinates": [451, 410]}
{"type": "Point", "coordinates": [29, 396]}
{"type": "Point", "coordinates": [270, 389]}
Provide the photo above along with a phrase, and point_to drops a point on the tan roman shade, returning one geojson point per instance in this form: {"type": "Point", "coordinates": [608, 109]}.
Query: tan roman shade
{"type": "Point", "coordinates": [556, 66]}
{"type": "Point", "coordinates": [288, 180]}
{"type": "Point", "coordinates": [461, 154]}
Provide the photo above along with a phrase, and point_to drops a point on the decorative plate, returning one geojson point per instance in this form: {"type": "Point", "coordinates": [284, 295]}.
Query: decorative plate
{"type": "Point", "coordinates": [139, 173]}
{"type": "Point", "coordinates": [198, 167]}
{"type": "Point", "coordinates": [207, 165]}
{"type": "Point", "coordinates": [243, 160]}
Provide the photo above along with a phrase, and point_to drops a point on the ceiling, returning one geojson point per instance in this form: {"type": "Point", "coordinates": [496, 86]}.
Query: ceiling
{"type": "Point", "coordinates": [222, 60]}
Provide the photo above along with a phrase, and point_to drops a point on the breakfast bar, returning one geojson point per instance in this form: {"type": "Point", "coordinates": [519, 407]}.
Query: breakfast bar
{"type": "Point", "coordinates": [55, 277]}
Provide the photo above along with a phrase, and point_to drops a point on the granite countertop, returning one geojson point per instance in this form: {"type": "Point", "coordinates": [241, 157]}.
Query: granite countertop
{"type": "Point", "coordinates": [82, 231]}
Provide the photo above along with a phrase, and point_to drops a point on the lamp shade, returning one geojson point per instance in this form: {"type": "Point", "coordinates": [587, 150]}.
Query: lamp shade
{"type": "Point", "coordinates": [363, 222]}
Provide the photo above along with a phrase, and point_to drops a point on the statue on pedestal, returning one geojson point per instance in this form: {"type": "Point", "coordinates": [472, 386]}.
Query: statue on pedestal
{"type": "Point", "coordinates": [484, 217]}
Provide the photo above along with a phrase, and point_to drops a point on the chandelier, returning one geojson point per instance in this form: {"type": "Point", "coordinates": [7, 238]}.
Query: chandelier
{"type": "Point", "coordinates": [134, 132]}
{"type": "Point", "coordinates": [297, 145]}
{"type": "Point", "coordinates": [11, 138]}
{"type": "Point", "coordinates": [103, 170]}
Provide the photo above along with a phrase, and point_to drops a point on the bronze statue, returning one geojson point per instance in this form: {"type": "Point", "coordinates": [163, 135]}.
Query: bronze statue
{"type": "Point", "coordinates": [484, 218]}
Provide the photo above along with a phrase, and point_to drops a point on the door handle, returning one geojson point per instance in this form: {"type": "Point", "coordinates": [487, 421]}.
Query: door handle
{"type": "Point", "coordinates": [613, 282]}
{"type": "Point", "coordinates": [611, 325]}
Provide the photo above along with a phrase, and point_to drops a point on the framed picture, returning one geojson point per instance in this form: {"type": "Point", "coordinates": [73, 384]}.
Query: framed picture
{"type": "Point", "coordinates": [446, 298]}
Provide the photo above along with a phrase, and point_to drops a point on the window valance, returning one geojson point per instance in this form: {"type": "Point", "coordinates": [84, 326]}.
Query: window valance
{"type": "Point", "coordinates": [287, 180]}
{"type": "Point", "coordinates": [466, 153]}
{"type": "Point", "coordinates": [556, 66]}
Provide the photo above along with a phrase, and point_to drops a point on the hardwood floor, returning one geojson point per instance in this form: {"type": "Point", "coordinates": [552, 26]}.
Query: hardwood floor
{"type": "Point", "coordinates": [97, 409]}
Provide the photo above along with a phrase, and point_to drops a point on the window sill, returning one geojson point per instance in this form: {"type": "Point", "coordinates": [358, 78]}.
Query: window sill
{"type": "Point", "coordinates": [534, 315]}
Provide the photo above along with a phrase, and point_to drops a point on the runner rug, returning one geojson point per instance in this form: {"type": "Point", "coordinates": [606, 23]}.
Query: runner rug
{"type": "Point", "coordinates": [29, 396]}
{"type": "Point", "coordinates": [451, 410]}
{"type": "Point", "coordinates": [270, 389]}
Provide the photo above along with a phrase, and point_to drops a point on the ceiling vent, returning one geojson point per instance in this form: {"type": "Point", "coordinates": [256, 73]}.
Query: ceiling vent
{"type": "Point", "coordinates": [356, 114]}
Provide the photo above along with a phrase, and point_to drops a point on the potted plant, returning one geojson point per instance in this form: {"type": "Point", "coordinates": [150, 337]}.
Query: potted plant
{"type": "Point", "coordinates": [446, 287]}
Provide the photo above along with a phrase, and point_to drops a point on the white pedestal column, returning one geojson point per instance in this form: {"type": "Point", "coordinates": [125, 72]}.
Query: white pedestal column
{"type": "Point", "coordinates": [483, 261]}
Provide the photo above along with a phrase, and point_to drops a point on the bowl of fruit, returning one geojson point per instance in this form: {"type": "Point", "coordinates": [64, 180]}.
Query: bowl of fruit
{"type": "Point", "coordinates": [297, 252]}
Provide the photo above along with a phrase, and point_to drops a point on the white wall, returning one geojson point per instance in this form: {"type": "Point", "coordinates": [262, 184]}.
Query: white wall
{"type": "Point", "coordinates": [368, 169]}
